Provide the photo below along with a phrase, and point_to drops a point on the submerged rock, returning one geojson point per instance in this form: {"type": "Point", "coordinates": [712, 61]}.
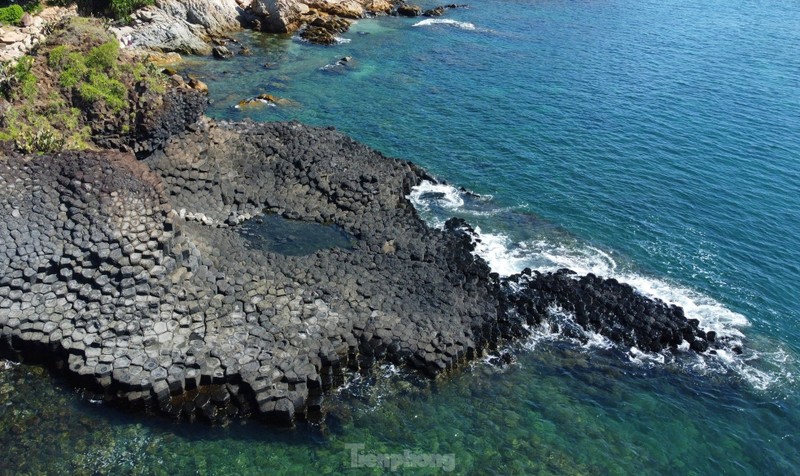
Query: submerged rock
{"type": "Point", "coordinates": [222, 52]}
{"type": "Point", "coordinates": [318, 35]}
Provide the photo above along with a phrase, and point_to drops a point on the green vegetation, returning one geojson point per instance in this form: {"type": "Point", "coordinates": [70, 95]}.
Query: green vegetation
{"type": "Point", "coordinates": [117, 9]}
{"type": "Point", "coordinates": [122, 9]}
{"type": "Point", "coordinates": [94, 75]}
{"type": "Point", "coordinates": [102, 88]}
{"type": "Point", "coordinates": [31, 6]}
{"type": "Point", "coordinates": [11, 15]}
{"type": "Point", "coordinates": [76, 82]}
{"type": "Point", "coordinates": [104, 57]}
{"type": "Point", "coordinates": [17, 81]}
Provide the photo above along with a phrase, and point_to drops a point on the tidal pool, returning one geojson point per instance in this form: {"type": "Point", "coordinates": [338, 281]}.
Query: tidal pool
{"type": "Point", "coordinates": [276, 234]}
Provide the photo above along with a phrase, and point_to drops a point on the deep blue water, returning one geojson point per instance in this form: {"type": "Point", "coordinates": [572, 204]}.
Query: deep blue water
{"type": "Point", "coordinates": [654, 142]}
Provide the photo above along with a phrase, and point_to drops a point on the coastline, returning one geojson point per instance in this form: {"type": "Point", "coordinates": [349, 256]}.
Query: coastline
{"type": "Point", "coordinates": [146, 308]}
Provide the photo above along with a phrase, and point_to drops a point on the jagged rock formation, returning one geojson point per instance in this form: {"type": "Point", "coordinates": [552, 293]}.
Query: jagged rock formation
{"type": "Point", "coordinates": [280, 16]}
{"type": "Point", "coordinates": [184, 26]}
{"type": "Point", "coordinates": [605, 306]}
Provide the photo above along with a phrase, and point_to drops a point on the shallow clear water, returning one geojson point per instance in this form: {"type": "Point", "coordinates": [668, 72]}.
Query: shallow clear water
{"type": "Point", "coordinates": [655, 142]}
{"type": "Point", "coordinates": [273, 233]}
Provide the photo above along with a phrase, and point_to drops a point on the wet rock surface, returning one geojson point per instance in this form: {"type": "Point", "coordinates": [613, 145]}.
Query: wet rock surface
{"type": "Point", "coordinates": [134, 276]}
{"type": "Point", "coordinates": [606, 306]}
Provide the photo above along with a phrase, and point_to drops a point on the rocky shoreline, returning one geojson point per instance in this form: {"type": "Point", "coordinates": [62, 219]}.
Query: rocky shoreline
{"type": "Point", "coordinates": [129, 273]}
{"type": "Point", "coordinates": [201, 26]}
{"type": "Point", "coordinates": [132, 276]}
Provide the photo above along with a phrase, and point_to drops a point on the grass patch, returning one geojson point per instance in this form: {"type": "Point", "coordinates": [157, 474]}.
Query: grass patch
{"type": "Point", "coordinates": [100, 87]}
{"type": "Point", "coordinates": [93, 74]}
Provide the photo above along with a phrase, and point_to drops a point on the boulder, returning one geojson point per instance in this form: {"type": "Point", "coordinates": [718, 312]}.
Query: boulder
{"type": "Point", "coordinates": [280, 16]}
{"type": "Point", "coordinates": [331, 23]}
{"type": "Point", "coordinates": [13, 36]}
{"type": "Point", "coordinates": [434, 12]}
{"type": "Point", "coordinates": [222, 52]}
{"type": "Point", "coordinates": [342, 8]}
{"type": "Point", "coordinates": [26, 20]}
{"type": "Point", "coordinates": [157, 30]}
{"type": "Point", "coordinates": [318, 35]}
{"type": "Point", "coordinates": [184, 26]}
{"type": "Point", "coordinates": [378, 6]}
{"type": "Point", "coordinates": [407, 10]}
{"type": "Point", "coordinates": [216, 17]}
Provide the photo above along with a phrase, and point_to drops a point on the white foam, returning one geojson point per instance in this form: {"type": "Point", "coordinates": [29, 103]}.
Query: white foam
{"type": "Point", "coordinates": [445, 21]}
{"type": "Point", "coordinates": [446, 196]}
{"type": "Point", "coordinates": [253, 101]}
{"type": "Point", "coordinates": [496, 249]}
{"type": "Point", "coordinates": [761, 370]}
{"type": "Point", "coordinates": [506, 257]}
{"type": "Point", "coordinates": [7, 364]}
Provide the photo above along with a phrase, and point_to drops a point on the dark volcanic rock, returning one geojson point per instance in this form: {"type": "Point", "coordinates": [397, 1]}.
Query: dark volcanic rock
{"type": "Point", "coordinates": [605, 306]}
{"type": "Point", "coordinates": [167, 115]}
{"type": "Point", "coordinates": [147, 307]}
{"type": "Point", "coordinates": [132, 275]}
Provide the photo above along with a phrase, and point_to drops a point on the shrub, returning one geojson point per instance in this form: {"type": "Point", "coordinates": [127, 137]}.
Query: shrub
{"type": "Point", "coordinates": [118, 9]}
{"type": "Point", "coordinates": [16, 80]}
{"type": "Point", "coordinates": [104, 57]}
{"type": "Point", "coordinates": [102, 88]}
{"type": "Point", "coordinates": [11, 15]}
{"type": "Point", "coordinates": [55, 59]}
{"type": "Point", "coordinates": [74, 69]}
{"type": "Point", "coordinates": [123, 8]}
{"type": "Point", "coordinates": [31, 6]}
{"type": "Point", "coordinates": [43, 139]}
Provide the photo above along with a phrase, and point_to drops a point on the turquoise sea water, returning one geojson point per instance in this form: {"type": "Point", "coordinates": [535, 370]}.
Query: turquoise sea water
{"type": "Point", "coordinates": [654, 142]}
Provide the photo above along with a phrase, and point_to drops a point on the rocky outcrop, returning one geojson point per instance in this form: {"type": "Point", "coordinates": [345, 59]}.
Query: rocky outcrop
{"type": "Point", "coordinates": [407, 10]}
{"type": "Point", "coordinates": [378, 6]}
{"type": "Point", "coordinates": [323, 29]}
{"type": "Point", "coordinates": [439, 11]}
{"type": "Point", "coordinates": [216, 17]}
{"type": "Point", "coordinates": [160, 311]}
{"type": "Point", "coordinates": [605, 306]}
{"type": "Point", "coordinates": [341, 8]}
{"type": "Point", "coordinates": [163, 116]}
{"type": "Point", "coordinates": [280, 16]}
{"type": "Point", "coordinates": [287, 16]}
{"type": "Point", "coordinates": [136, 277]}
{"type": "Point", "coordinates": [183, 26]}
